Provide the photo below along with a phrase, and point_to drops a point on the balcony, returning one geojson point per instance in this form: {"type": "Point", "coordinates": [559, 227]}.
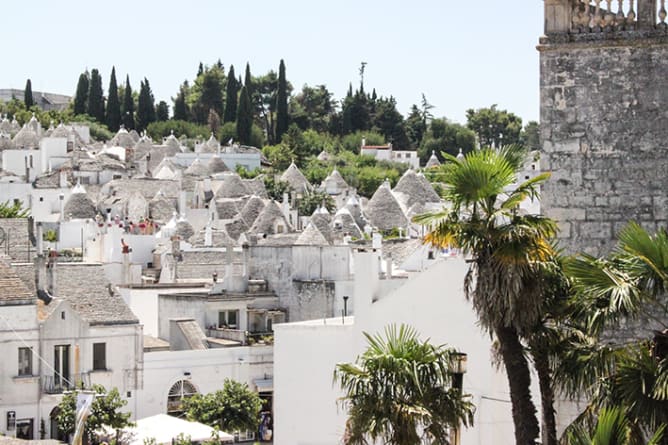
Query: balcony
{"type": "Point", "coordinates": [57, 385]}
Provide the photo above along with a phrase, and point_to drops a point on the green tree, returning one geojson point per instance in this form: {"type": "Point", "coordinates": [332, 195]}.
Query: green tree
{"type": "Point", "coordinates": [234, 408]}
{"type": "Point", "coordinates": [280, 155]}
{"type": "Point", "coordinates": [104, 412]}
{"type": "Point", "coordinates": [244, 117]}
{"type": "Point", "coordinates": [13, 210]}
{"type": "Point", "coordinates": [231, 92]}
{"type": "Point", "coordinates": [494, 127]}
{"type": "Point", "coordinates": [611, 428]}
{"type": "Point", "coordinates": [312, 108]}
{"type": "Point", "coordinates": [207, 94]}
{"type": "Point", "coordinates": [128, 106]}
{"type": "Point", "coordinates": [416, 127]}
{"type": "Point", "coordinates": [113, 104]}
{"type": "Point", "coordinates": [81, 95]}
{"type": "Point", "coordinates": [399, 391]}
{"type": "Point", "coordinates": [445, 136]}
{"type": "Point", "coordinates": [162, 111]}
{"type": "Point", "coordinates": [390, 123]}
{"type": "Point", "coordinates": [181, 112]}
{"type": "Point", "coordinates": [530, 136]}
{"type": "Point", "coordinates": [282, 118]}
{"type": "Point", "coordinates": [28, 99]}
{"type": "Point", "coordinates": [95, 106]}
{"type": "Point", "coordinates": [248, 82]}
{"type": "Point", "coordinates": [275, 187]}
{"type": "Point", "coordinates": [145, 106]}
{"type": "Point", "coordinates": [313, 200]}
{"type": "Point", "coordinates": [507, 250]}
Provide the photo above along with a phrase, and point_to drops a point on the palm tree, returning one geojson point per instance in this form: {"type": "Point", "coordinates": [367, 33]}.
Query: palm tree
{"type": "Point", "coordinates": [612, 428]}
{"type": "Point", "coordinates": [400, 391]}
{"type": "Point", "coordinates": [13, 210]}
{"type": "Point", "coordinates": [506, 250]}
{"type": "Point", "coordinates": [630, 283]}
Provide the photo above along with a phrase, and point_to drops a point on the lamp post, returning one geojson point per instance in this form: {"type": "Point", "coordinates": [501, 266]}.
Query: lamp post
{"type": "Point", "coordinates": [459, 369]}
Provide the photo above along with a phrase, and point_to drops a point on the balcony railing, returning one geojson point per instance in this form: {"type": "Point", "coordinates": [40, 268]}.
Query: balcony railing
{"type": "Point", "coordinates": [57, 385]}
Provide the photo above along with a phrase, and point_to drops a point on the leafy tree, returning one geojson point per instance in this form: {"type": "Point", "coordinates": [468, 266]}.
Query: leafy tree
{"type": "Point", "coordinates": [181, 112]}
{"type": "Point", "coordinates": [28, 99]}
{"type": "Point", "coordinates": [104, 412]}
{"type": "Point", "coordinates": [390, 123]}
{"type": "Point", "coordinates": [280, 156]}
{"type": "Point", "coordinates": [13, 210]}
{"type": "Point", "coordinates": [356, 111]}
{"type": "Point", "coordinates": [96, 97]}
{"type": "Point", "coordinates": [313, 200]}
{"type": "Point", "coordinates": [81, 96]}
{"type": "Point", "coordinates": [507, 250]}
{"type": "Point", "coordinates": [399, 391]}
{"type": "Point", "coordinates": [214, 122]}
{"type": "Point", "coordinates": [264, 98]}
{"type": "Point", "coordinates": [445, 136]}
{"type": "Point", "coordinates": [494, 127]}
{"type": "Point", "coordinates": [234, 408]}
{"type": "Point", "coordinates": [207, 94]}
{"type": "Point", "coordinates": [312, 108]}
{"type": "Point", "coordinates": [160, 129]}
{"type": "Point", "coordinates": [275, 187]}
{"type": "Point", "coordinates": [530, 136]}
{"type": "Point", "coordinates": [113, 104]}
{"type": "Point", "coordinates": [282, 118]}
{"type": "Point", "coordinates": [353, 142]}
{"type": "Point", "coordinates": [244, 117]}
{"type": "Point", "coordinates": [128, 106]}
{"type": "Point", "coordinates": [416, 127]}
{"type": "Point", "coordinates": [231, 92]}
{"type": "Point", "coordinates": [162, 111]}
{"type": "Point", "coordinates": [145, 106]}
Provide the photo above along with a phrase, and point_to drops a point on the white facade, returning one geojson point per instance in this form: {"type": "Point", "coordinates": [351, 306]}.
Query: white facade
{"type": "Point", "coordinates": [433, 302]}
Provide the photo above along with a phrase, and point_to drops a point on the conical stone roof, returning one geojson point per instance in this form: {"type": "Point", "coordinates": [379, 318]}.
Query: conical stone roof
{"type": "Point", "coordinates": [412, 189]}
{"type": "Point", "coordinates": [296, 179]}
{"type": "Point", "coordinates": [184, 229]}
{"type": "Point", "coordinates": [5, 141]}
{"type": "Point", "coordinates": [26, 138]}
{"type": "Point", "coordinates": [311, 236]}
{"type": "Point", "coordinates": [210, 146]}
{"type": "Point", "coordinates": [232, 187]}
{"type": "Point", "coordinates": [433, 161]}
{"type": "Point", "coordinates": [256, 187]}
{"type": "Point", "coordinates": [161, 208]}
{"type": "Point", "coordinates": [197, 168]}
{"type": "Point", "coordinates": [123, 139]}
{"type": "Point", "coordinates": [79, 205]}
{"type": "Point", "coordinates": [267, 219]}
{"type": "Point", "coordinates": [334, 181]}
{"type": "Point", "coordinates": [322, 221]}
{"type": "Point", "coordinates": [217, 165]}
{"type": "Point", "coordinates": [384, 211]}
{"type": "Point", "coordinates": [252, 210]}
{"type": "Point", "coordinates": [343, 222]}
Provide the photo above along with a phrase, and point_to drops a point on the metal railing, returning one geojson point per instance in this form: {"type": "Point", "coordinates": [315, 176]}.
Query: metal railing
{"type": "Point", "coordinates": [52, 384]}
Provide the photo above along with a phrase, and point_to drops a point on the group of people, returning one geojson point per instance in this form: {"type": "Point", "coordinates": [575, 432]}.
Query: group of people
{"type": "Point", "coordinates": [145, 226]}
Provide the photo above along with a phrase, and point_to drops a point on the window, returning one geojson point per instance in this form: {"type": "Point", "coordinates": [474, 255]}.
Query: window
{"type": "Point", "coordinates": [228, 319]}
{"type": "Point", "coordinates": [99, 356]}
{"type": "Point", "coordinates": [25, 361]}
{"type": "Point", "coordinates": [24, 429]}
{"type": "Point", "coordinates": [181, 390]}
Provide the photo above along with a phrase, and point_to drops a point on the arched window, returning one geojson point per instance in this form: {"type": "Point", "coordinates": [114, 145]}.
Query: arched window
{"type": "Point", "coordinates": [177, 393]}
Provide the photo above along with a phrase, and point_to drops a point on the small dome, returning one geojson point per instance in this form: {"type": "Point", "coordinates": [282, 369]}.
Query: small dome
{"type": "Point", "coordinates": [296, 179]}
{"type": "Point", "coordinates": [172, 142]}
{"type": "Point", "coordinates": [123, 139]}
{"type": "Point", "coordinates": [79, 205]}
{"type": "Point", "coordinates": [35, 125]}
{"type": "Point", "coordinates": [197, 168]}
{"type": "Point", "coordinates": [232, 187]}
{"type": "Point", "coordinates": [433, 161]}
{"type": "Point", "coordinates": [210, 146]}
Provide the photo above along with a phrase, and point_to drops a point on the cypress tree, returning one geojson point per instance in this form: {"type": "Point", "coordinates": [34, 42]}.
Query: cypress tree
{"type": "Point", "coordinates": [96, 96]}
{"type": "Point", "coordinates": [244, 117]}
{"type": "Point", "coordinates": [281, 103]}
{"type": "Point", "coordinates": [128, 107]}
{"type": "Point", "coordinates": [27, 95]}
{"type": "Point", "coordinates": [113, 104]}
{"type": "Point", "coordinates": [230, 113]}
{"type": "Point", "coordinates": [200, 69]}
{"type": "Point", "coordinates": [81, 96]}
{"type": "Point", "coordinates": [162, 111]}
{"type": "Point", "coordinates": [145, 106]}
{"type": "Point", "coordinates": [248, 80]}
{"type": "Point", "coordinates": [180, 106]}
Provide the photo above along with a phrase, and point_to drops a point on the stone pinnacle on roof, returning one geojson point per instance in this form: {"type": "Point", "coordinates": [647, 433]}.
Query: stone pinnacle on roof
{"type": "Point", "coordinates": [433, 161]}
{"type": "Point", "coordinates": [460, 156]}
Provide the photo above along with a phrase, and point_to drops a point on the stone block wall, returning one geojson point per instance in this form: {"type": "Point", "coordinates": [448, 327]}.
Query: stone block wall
{"type": "Point", "coordinates": [604, 132]}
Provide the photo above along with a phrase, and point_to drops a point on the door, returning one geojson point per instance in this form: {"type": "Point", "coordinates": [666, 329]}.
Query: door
{"type": "Point", "coordinates": [61, 366]}
{"type": "Point", "coordinates": [24, 429]}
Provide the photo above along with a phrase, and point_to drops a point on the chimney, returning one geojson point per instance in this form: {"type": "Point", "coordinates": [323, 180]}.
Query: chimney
{"type": "Point", "coordinates": [27, 169]}
{"type": "Point", "coordinates": [51, 276]}
{"type": "Point", "coordinates": [125, 279]}
{"type": "Point", "coordinates": [208, 236]}
{"type": "Point", "coordinates": [388, 267]}
{"type": "Point", "coordinates": [286, 205]}
{"type": "Point", "coordinates": [39, 239]}
{"type": "Point", "coordinates": [61, 197]}
{"type": "Point", "coordinates": [366, 284]}
{"type": "Point", "coordinates": [182, 203]}
{"type": "Point", "coordinates": [62, 183]}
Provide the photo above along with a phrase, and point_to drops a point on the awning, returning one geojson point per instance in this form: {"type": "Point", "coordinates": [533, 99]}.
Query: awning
{"type": "Point", "coordinates": [264, 385]}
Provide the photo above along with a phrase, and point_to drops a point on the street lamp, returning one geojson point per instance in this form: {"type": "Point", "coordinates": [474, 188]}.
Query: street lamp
{"type": "Point", "coordinates": [460, 360]}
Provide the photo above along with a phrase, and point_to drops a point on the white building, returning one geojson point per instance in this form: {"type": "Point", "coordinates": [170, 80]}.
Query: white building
{"type": "Point", "coordinates": [63, 331]}
{"type": "Point", "coordinates": [388, 153]}
{"type": "Point", "coordinates": [433, 302]}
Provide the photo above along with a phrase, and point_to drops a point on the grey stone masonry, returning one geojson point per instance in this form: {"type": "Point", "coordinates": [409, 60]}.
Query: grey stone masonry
{"type": "Point", "coordinates": [604, 126]}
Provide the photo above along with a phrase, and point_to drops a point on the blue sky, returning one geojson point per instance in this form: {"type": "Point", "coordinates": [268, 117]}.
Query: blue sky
{"type": "Point", "coordinates": [460, 54]}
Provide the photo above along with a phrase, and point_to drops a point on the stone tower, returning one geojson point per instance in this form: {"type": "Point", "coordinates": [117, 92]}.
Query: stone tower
{"type": "Point", "coordinates": [604, 118]}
